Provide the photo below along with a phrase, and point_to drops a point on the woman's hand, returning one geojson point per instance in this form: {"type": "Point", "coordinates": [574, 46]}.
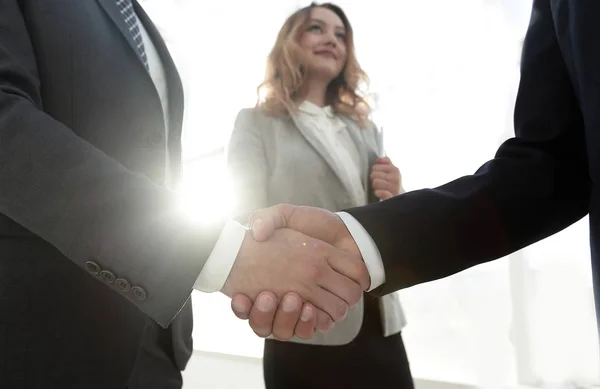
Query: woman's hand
{"type": "Point", "coordinates": [386, 179]}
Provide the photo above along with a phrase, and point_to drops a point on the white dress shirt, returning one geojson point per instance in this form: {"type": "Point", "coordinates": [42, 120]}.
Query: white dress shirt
{"type": "Point", "coordinates": [219, 263]}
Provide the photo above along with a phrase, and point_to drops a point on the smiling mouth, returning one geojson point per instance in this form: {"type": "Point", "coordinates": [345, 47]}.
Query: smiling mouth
{"type": "Point", "coordinates": [326, 54]}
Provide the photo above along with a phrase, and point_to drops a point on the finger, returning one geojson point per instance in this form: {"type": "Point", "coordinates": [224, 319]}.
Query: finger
{"type": "Point", "coordinates": [324, 322]}
{"type": "Point", "coordinates": [265, 221]}
{"type": "Point", "coordinates": [322, 298]}
{"type": "Point", "coordinates": [385, 185]}
{"type": "Point", "coordinates": [383, 194]}
{"type": "Point", "coordinates": [263, 313]}
{"type": "Point", "coordinates": [342, 287]}
{"type": "Point", "coordinates": [288, 314]}
{"type": "Point", "coordinates": [390, 177]}
{"type": "Point", "coordinates": [385, 168]}
{"type": "Point", "coordinates": [383, 160]}
{"type": "Point", "coordinates": [305, 327]}
{"type": "Point", "coordinates": [355, 271]}
{"type": "Point", "coordinates": [241, 305]}
{"type": "Point", "coordinates": [378, 175]}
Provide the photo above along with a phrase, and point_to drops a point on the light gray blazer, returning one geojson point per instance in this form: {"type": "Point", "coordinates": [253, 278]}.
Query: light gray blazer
{"type": "Point", "coordinates": [275, 160]}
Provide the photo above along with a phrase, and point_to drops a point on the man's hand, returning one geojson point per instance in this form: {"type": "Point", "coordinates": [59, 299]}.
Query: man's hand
{"type": "Point", "coordinates": [293, 317]}
{"type": "Point", "coordinates": [317, 223]}
{"type": "Point", "coordinates": [282, 322]}
{"type": "Point", "coordinates": [331, 279]}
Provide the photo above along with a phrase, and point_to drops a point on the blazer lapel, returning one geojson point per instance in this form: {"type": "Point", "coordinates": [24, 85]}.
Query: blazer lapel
{"type": "Point", "coordinates": [110, 7]}
{"type": "Point", "coordinates": [320, 147]}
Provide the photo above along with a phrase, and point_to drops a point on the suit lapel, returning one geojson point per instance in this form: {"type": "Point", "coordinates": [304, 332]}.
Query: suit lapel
{"type": "Point", "coordinates": [173, 80]}
{"type": "Point", "coordinates": [175, 90]}
{"type": "Point", "coordinates": [111, 9]}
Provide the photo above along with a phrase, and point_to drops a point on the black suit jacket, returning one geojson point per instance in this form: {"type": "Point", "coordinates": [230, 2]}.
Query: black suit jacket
{"type": "Point", "coordinates": [540, 181]}
{"type": "Point", "coordinates": [91, 243]}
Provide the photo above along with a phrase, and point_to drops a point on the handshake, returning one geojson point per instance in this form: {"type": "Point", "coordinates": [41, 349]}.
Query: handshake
{"type": "Point", "coordinates": [298, 270]}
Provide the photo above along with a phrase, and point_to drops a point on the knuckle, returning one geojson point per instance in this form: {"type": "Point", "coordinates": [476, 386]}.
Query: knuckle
{"type": "Point", "coordinates": [316, 269]}
{"type": "Point", "coordinates": [321, 251]}
{"type": "Point", "coordinates": [283, 208]}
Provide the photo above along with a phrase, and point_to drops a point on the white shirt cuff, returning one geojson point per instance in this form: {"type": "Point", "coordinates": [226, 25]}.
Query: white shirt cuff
{"type": "Point", "coordinates": [368, 249]}
{"type": "Point", "coordinates": [221, 259]}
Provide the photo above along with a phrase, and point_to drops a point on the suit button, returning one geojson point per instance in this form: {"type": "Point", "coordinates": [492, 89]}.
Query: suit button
{"type": "Point", "coordinates": [92, 267]}
{"type": "Point", "coordinates": [107, 276]}
{"type": "Point", "coordinates": [123, 285]}
{"type": "Point", "coordinates": [139, 293]}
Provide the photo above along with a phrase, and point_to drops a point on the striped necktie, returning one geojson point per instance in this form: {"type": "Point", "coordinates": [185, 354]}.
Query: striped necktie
{"type": "Point", "coordinates": [126, 8]}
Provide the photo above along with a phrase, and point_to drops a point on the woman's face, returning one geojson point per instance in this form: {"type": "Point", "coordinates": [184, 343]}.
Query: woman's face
{"type": "Point", "coordinates": [324, 44]}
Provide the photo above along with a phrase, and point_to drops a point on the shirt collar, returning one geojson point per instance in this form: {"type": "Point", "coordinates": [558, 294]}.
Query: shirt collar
{"type": "Point", "coordinates": [313, 109]}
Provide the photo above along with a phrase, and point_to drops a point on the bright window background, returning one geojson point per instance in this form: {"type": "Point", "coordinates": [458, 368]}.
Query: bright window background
{"type": "Point", "coordinates": [446, 73]}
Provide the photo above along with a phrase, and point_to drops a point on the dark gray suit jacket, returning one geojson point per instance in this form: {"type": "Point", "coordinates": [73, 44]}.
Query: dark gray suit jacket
{"type": "Point", "coordinates": [91, 244]}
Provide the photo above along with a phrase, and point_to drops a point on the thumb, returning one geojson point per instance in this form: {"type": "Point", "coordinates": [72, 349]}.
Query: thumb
{"type": "Point", "coordinates": [264, 222]}
{"type": "Point", "coordinates": [261, 229]}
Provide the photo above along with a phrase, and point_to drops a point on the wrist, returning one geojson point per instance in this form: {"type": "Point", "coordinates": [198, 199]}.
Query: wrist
{"type": "Point", "coordinates": [232, 281]}
{"type": "Point", "coordinates": [345, 241]}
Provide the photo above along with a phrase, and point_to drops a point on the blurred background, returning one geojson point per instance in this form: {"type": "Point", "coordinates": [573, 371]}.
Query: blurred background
{"type": "Point", "coordinates": [451, 71]}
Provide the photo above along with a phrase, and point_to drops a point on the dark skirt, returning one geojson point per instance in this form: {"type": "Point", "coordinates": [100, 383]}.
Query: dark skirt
{"type": "Point", "coordinates": [370, 361]}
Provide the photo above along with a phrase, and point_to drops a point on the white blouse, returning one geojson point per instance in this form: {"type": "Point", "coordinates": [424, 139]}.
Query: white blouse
{"type": "Point", "coordinates": [329, 129]}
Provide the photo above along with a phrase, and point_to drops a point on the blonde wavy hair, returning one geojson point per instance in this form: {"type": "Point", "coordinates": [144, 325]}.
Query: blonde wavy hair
{"type": "Point", "coordinates": [283, 84]}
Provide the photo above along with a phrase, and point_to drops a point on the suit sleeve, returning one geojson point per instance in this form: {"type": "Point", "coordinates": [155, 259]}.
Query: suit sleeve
{"type": "Point", "coordinates": [537, 184]}
{"type": "Point", "coordinates": [247, 165]}
{"type": "Point", "coordinates": [84, 203]}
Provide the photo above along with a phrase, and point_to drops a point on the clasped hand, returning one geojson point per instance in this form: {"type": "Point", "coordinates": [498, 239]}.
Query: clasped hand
{"type": "Point", "coordinates": [298, 271]}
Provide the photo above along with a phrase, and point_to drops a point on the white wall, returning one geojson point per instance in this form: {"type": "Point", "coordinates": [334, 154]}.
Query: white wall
{"type": "Point", "coordinates": [219, 371]}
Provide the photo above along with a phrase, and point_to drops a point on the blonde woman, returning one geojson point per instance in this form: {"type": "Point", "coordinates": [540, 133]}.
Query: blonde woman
{"type": "Point", "coordinates": [309, 142]}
